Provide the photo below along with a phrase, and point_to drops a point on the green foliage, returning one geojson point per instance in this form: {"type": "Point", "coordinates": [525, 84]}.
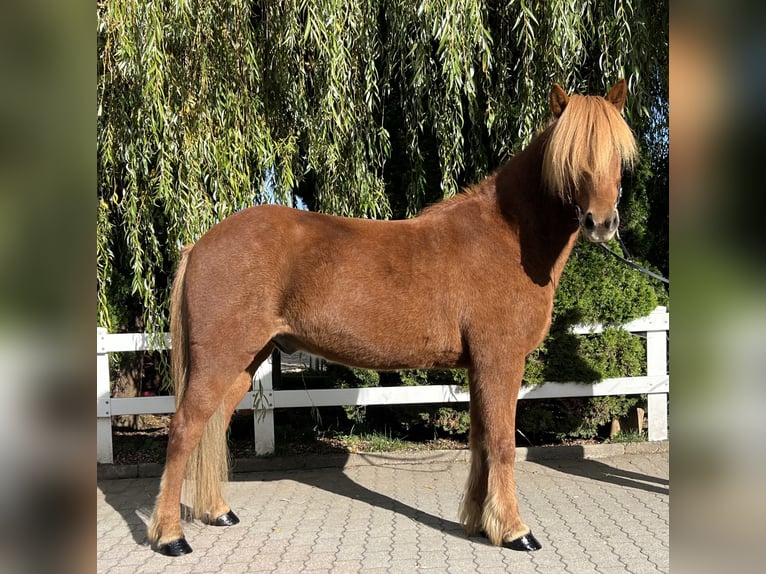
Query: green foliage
{"type": "Point", "coordinates": [418, 422]}
{"type": "Point", "coordinates": [436, 377]}
{"type": "Point", "coordinates": [414, 377]}
{"type": "Point", "coordinates": [359, 378]}
{"type": "Point", "coordinates": [372, 108]}
{"type": "Point", "coordinates": [615, 353]}
{"type": "Point", "coordinates": [622, 437]}
{"type": "Point", "coordinates": [545, 421]}
{"type": "Point", "coordinates": [373, 442]}
{"type": "Point", "coordinates": [597, 288]}
{"type": "Point", "coordinates": [565, 357]}
{"type": "Point", "coordinates": [356, 413]}
{"type": "Point", "coordinates": [539, 420]}
{"type": "Point", "coordinates": [426, 420]}
{"type": "Point", "coordinates": [447, 420]}
{"type": "Point", "coordinates": [600, 411]}
{"type": "Point", "coordinates": [345, 377]}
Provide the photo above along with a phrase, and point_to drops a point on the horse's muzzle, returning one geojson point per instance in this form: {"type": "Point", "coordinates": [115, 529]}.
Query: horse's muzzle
{"type": "Point", "coordinates": [599, 231]}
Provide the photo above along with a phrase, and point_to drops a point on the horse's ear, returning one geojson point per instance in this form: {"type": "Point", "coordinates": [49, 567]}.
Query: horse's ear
{"type": "Point", "coordinates": [559, 100]}
{"type": "Point", "coordinates": [618, 94]}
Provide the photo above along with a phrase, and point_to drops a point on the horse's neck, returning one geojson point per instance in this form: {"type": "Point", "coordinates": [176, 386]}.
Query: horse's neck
{"type": "Point", "coordinates": [547, 228]}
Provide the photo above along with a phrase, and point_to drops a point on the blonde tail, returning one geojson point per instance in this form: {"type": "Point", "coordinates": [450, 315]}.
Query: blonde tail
{"type": "Point", "coordinates": [208, 464]}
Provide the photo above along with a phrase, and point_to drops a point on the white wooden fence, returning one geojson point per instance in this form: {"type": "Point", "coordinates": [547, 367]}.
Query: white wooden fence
{"type": "Point", "coordinates": [264, 399]}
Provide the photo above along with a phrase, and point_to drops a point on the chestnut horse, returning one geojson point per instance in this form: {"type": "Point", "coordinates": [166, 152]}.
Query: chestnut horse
{"type": "Point", "coordinates": [469, 283]}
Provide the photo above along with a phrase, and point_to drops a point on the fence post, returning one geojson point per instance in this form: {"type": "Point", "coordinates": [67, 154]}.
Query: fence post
{"type": "Point", "coordinates": [263, 408]}
{"type": "Point", "coordinates": [657, 364]}
{"type": "Point", "coordinates": [104, 453]}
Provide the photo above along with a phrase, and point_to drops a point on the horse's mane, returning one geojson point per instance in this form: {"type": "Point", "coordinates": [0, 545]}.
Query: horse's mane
{"type": "Point", "coordinates": [465, 195]}
{"type": "Point", "coordinates": [583, 141]}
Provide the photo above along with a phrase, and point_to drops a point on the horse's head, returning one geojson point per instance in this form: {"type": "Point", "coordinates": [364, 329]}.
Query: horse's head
{"type": "Point", "coordinates": [585, 154]}
{"type": "Point", "coordinates": [595, 202]}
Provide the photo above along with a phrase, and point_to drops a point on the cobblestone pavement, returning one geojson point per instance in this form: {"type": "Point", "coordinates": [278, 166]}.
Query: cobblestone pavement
{"type": "Point", "coordinates": [396, 515]}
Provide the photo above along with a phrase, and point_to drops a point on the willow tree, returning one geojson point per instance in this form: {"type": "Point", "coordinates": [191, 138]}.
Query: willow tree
{"type": "Point", "coordinates": [371, 108]}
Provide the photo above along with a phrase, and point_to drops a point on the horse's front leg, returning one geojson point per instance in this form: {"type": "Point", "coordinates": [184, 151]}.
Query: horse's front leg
{"type": "Point", "coordinates": [495, 392]}
{"type": "Point", "coordinates": [471, 507]}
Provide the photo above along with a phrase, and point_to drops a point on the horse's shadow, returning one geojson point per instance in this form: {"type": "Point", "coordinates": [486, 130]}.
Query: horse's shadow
{"type": "Point", "coordinates": [135, 509]}
{"type": "Point", "coordinates": [136, 504]}
{"type": "Point", "coordinates": [575, 464]}
{"type": "Point", "coordinates": [336, 481]}
{"type": "Point", "coordinates": [133, 503]}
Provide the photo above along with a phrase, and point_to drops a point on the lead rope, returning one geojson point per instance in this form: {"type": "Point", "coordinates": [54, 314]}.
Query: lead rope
{"type": "Point", "coordinates": [632, 263]}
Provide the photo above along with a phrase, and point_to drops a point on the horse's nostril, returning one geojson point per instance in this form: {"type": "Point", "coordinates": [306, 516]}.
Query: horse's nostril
{"type": "Point", "coordinates": [614, 222]}
{"type": "Point", "coordinates": [589, 223]}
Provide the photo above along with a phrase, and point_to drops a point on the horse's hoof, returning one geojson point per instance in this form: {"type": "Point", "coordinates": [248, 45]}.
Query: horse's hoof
{"type": "Point", "coordinates": [526, 543]}
{"type": "Point", "coordinates": [228, 519]}
{"type": "Point", "coordinates": [177, 547]}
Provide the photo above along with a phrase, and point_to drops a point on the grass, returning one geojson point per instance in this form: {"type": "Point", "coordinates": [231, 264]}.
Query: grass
{"type": "Point", "coordinates": [631, 436]}
{"type": "Point", "coordinates": [292, 441]}
{"type": "Point", "coordinates": [373, 442]}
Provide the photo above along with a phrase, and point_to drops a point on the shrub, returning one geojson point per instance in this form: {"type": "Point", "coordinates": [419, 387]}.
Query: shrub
{"type": "Point", "coordinates": [556, 420]}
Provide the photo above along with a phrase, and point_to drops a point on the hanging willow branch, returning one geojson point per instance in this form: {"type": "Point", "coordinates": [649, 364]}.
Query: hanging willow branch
{"type": "Point", "coordinates": [367, 108]}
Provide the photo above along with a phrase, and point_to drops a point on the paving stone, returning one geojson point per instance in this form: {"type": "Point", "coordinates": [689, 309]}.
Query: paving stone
{"type": "Point", "coordinates": [383, 515]}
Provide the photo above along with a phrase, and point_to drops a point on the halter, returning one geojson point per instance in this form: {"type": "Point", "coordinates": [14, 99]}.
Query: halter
{"type": "Point", "coordinates": [578, 209]}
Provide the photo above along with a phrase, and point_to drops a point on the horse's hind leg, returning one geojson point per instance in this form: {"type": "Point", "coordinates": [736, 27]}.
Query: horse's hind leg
{"type": "Point", "coordinates": [476, 485]}
{"type": "Point", "coordinates": [221, 514]}
{"type": "Point", "coordinates": [197, 447]}
{"type": "Point", "coordinates": [215, 511]}
{"type": "Point", "coordinates": [198, 405]}
{"type": "Point", "coordinates": [497, 387]}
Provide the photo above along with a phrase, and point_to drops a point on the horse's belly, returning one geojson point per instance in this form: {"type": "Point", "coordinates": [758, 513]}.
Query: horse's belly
{"type": "Point", "coordinates": [379, 351]}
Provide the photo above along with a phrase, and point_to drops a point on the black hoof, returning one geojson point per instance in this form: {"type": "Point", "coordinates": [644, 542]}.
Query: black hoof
{"type": "Point", "coordinates": [175, 548]}
{"type": "Point", "coordinates": [526, 543]}
{"type": "Point", "coordinates": [228, 519]}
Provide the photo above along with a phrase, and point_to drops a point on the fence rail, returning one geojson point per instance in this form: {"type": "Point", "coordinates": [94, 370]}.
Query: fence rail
{"type": "Point", "coordinates": [655, 384]}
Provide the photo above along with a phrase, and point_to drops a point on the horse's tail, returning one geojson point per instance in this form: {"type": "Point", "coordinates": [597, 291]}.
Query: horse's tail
{"type": "Point", "coordinates": [208, 463]}
{"type": "Point", "coordinates": [179, 356]}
